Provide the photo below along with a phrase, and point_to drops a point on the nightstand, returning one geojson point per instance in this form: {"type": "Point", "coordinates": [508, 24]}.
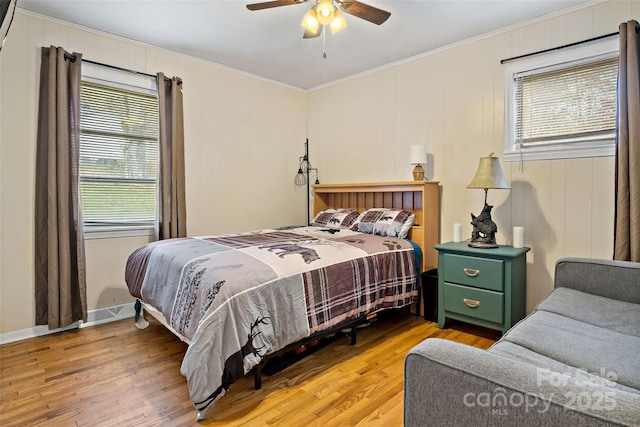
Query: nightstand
{"type": "Point", "coordinates": [486, 287]}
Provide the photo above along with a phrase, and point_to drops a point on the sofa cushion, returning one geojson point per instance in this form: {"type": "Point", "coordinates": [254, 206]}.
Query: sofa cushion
{"type": "Point", "coordinates": [619, 316]}
{"type": "Point", "coordinates": [549, 368]}
{"type": "Point", "coordinates": [594, 349]}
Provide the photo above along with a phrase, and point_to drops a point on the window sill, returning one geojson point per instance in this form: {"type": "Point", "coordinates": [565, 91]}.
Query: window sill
{"type": "Point", "coordinates": [554, 153]}
{"type": "Point", "coordinates": [116, 232]}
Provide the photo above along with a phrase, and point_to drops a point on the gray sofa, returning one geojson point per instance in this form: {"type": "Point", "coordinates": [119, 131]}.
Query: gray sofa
{"type": "Point", "coordinates": [575, 360]}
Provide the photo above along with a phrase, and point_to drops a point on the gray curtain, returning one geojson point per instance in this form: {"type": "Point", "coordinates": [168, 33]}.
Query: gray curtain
{"type": "Point", "coordinates": [172, 215]}
{"type": "Point", "coordinates": [60, 285]}
{"type": "Point", "coordinates": [627, 189]}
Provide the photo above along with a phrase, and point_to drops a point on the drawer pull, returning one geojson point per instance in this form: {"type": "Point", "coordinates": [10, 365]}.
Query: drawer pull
{"type": "Point", "coordinates": [471, 303]}
{"type": "Point", "coordinates": [471, 272]}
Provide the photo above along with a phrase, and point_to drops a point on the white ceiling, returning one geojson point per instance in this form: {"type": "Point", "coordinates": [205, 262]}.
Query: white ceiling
{"type": "Point", "coordinates": [269, 43]}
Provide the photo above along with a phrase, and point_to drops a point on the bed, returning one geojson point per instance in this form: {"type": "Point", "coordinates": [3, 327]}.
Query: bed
{"type": "Point", "coordinates": [236, 299]}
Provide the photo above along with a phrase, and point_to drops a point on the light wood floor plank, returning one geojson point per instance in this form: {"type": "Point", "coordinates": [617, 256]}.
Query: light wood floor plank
{"type": "Point", "coordinates": [117, 375]}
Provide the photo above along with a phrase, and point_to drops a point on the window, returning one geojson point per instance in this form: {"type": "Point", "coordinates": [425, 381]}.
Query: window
{"type": "Point", "coordinates": [118, 151]}
{"type": "Point", "coordinates": [563, 104]}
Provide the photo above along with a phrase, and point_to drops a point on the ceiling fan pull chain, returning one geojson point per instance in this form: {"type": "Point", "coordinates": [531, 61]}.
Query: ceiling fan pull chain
{"type": "Point", "coordinates": [324, 45]}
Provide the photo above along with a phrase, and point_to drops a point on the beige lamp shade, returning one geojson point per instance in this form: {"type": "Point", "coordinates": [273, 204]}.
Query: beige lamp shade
{"type": "Point", "coordinates": [310, 21]}
{"type": "Point", "coordinates": [418, 155]}
{"type": "Point", "coordinates": [489, 174]}
{"type": "Point", "coordinates": [325, 11]}
{"type": "Point", "coordinates": [338, 23]}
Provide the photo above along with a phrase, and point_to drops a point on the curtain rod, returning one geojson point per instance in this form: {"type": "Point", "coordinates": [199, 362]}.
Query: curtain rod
{"type": "Point", "coordinates": [72, 58]}
{"type": "Point", "coordinates": [118, 68]}
{"type": "Point", "coordinates": [559, 47]}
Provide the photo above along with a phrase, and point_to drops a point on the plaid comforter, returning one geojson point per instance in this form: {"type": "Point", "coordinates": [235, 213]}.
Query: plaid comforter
{"type": "Point", "coordinates": [236, 298]}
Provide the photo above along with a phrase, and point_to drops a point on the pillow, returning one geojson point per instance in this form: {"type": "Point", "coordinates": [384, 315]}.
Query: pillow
{"type": "Point", "coordinates": [384, 222]}
{"type": "Point", "coordinates": [335, 218]}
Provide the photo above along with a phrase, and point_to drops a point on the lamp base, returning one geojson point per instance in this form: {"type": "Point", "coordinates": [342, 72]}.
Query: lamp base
{"type": "Point", "coordinates": [482, 245]}
{"type": "Point", "coordinates": [484, 231]}
{"type": "Point", "coordinates": [418, 173]}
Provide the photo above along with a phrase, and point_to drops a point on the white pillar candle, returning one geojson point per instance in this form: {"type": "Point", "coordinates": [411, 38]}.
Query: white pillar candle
{"type": "Point", "coordinates": [457, 232]}
{"type": "Point", "coordinates": [518, 237]}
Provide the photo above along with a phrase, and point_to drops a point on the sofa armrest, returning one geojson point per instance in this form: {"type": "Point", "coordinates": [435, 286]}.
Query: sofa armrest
{"type": "Point", "coordinates": [448, 383]}
{"type": "Point", "coordinates": [619, 280]}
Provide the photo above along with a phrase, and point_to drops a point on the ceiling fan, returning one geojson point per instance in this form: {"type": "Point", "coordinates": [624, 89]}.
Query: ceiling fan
{"type": "Point", "coordinates": [324, 12]}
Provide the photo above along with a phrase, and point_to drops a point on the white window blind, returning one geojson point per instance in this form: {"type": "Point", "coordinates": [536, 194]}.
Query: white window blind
{"type": "Point", "coordinates": [561, 104]}
{"type": "Point", "coordinates": [575, 103]}
{"type": "Point", "coordinates": [118, 156]}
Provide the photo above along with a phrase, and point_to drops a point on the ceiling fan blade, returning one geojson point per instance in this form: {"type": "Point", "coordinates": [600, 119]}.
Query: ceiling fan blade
{"type": "Point", "coordinates": [311, 35]}
{"type": "Point", "coordinates": [364, 11]}
{"type": "Point", "coordinates": [270, 4]}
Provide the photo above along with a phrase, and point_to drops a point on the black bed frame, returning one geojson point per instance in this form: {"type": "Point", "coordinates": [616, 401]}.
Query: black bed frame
{"type": "Point", "coordinates": [350, 324]}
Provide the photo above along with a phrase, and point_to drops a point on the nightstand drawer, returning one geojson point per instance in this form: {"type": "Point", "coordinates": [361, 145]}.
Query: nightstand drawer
{"type": "Point", "coordinates": [474, 271]}
{"type": "Point", "coordinates": [477, 303]}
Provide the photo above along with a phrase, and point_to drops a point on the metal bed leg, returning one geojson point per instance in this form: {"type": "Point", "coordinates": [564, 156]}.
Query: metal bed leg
{"type": "Point", "coordinates": [257, 376]}
{"type": "Point", "coordinates": [353, 335]}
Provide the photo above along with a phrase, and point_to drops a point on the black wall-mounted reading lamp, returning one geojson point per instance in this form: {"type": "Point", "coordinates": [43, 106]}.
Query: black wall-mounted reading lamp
{"type": "Point", "coordinates": [302, 177]}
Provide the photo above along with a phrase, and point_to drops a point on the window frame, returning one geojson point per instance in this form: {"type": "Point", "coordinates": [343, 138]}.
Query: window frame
{"type": "Point", "coordinates": [127, 80]}
{"type": "Point", "coordinates": [558, 59]}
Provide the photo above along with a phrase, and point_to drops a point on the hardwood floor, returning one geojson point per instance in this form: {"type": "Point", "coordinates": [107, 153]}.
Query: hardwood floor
{"type": "Point", "coordinates": [117, 375]}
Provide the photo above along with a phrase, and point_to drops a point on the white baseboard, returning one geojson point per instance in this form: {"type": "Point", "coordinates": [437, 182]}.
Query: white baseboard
{"type": "Point", "coordinates": [94, 317]}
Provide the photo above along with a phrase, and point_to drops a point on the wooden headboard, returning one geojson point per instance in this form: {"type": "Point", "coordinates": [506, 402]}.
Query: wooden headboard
{"type": "Point", "coordinates": [420, 197]}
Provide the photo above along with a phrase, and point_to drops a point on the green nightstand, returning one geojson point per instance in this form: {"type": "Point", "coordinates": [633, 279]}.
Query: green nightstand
{"type": "Point", "coordinates": [486, 287]}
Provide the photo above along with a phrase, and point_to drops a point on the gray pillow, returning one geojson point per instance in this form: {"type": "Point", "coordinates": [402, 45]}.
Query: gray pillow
{"type": "Point", "coordinates": [335, 218]}
{"type": "Point", "coordinates": [384, 222]}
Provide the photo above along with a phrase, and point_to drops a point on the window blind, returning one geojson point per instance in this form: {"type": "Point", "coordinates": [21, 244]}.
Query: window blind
{"type": "Point", "coordinates": [118, 156]}
{"type": "Point", "coordinates": [576, 103]}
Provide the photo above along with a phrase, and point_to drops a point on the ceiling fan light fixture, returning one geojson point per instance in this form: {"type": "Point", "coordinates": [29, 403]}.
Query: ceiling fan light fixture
{"type": "Point", "coordinates": [338, 23]}
{"type": "Point", "coordinates": [310, 21]}
{"type": "Point", "coordinates": [325, 11]}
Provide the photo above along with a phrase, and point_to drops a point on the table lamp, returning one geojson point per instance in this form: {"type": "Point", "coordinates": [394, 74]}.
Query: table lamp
{"type": "Point", "coordinates": [418, 158]}
{"type": "Point", "coordinates": [489, 175]}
